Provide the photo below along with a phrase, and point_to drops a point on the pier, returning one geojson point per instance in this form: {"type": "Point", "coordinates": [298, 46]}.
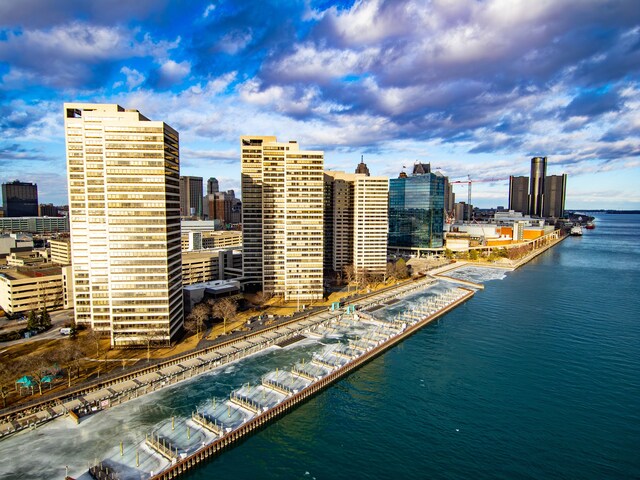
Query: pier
{"type": "Point", "coordinates": [278, 387]}
{"type": "Point", "coordinates": [344, 355]}
{"type": "Point", "coordinates": [163, 447]}
{"type": "Point", "coordinates": [268, 415]}
{"type": "Point", "coordinates": [302, 374]}
{"type": "Point", "coordinates": [102, 472]}
{"type": "Point", "coordinates": [324, 364]}
{"type": "Point", "coordinates": [245, 402]}
{"type": "Point", "coordinates": [208, 422]}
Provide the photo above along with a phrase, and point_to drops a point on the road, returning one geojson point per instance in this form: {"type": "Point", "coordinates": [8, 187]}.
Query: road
{"type": "Point", "coordinates": [58, 319]}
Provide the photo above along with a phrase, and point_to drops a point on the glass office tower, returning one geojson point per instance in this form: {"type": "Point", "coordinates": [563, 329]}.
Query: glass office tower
{"type": "Point", "coordinates": [416, 211]}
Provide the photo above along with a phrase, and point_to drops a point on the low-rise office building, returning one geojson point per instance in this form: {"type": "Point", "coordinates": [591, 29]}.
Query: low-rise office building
{"type": "Point", "coordinates": [40, 225]}
{"type": "Point", "coordinates": [60, 251]}
{"type": "Point", "coordinates": [196, 293]}
{"type": "Point", "coordinates": [13, 241]}
{"type": "Point", "coordinates": [207, 265]}
{"type": "Point", "coordinates": [26, 289]}
{"type": "Point", "coordinates": [203, 240]}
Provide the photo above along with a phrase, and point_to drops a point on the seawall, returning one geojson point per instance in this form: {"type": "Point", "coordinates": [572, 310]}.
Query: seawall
{"type": "Point", "coordinates": [232, 438]}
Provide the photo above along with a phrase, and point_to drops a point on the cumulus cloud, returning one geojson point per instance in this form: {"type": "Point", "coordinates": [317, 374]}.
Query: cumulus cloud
{"type": "Point", "coordinates": [42, 13]}
{"type": "Point", "coordinates": [134, 77]}
{"type": "Point", "coordinates": [75, 54]}
{"type": "Point", "coordinates": [171, 72]}
{"type": "Point", "coordinates": [471, 86]}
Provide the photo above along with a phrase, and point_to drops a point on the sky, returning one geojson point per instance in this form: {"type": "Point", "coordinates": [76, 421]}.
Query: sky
{"type": "Point", "coordinates": [473, 87]}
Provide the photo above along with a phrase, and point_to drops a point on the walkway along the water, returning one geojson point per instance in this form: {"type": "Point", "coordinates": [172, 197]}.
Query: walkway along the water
{"type": "Point", "coordinates": [289, 389]}
{"type": "Point", "coordinates": [111, 392]}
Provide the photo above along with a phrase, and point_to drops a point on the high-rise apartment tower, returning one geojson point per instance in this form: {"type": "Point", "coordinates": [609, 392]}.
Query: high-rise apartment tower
{"type": "Point", "coordinates": [282, 212]}
{"type": "Point", "coordinates": [356, 222]}
{"type": "Point", "coordinates": [124, 208]}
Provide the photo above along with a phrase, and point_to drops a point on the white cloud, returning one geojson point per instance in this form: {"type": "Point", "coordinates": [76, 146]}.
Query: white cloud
{"type": "Point", "coordinates": [235, 41]}
{"type": "Point", "coordinates": [309, 62]}
{"type": "Point", "coordinates": [209, 10]}
{"type": "Point", "coordinates": [72, 54]}
{"type": "Point", "coordinates": [134, 77]}
{"type": "Point", "coordinates": [172, 72]}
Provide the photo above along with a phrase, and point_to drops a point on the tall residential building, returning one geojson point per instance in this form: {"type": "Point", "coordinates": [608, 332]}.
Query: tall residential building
{"type": "Point", "coordinates": [123, 174]}
{"type": "Point", "coordinates": [536, 191]}
{"type": "Point", "coordinates": [555, 191]}
{"type": "Point", "coordinates": [416, 209]}
{"type": "Point", "coordinates": [212, 186]}
{"type": "Point", "coordinates": [282, 210]}
{"type": "Point", "coordinates": [20, 199]}
{"type": "Point", "coordinates": [191, 196]}
{"type": "Point", "coordinates": [519, 194]}
{"type": "Point", "coordinates": [356, 222]}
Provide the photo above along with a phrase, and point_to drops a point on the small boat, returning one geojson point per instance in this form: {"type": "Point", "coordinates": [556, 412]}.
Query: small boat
{"type": "Point", "coordinates": [576, 231]}
{"type": "Point", "coordinates": [590, 226]}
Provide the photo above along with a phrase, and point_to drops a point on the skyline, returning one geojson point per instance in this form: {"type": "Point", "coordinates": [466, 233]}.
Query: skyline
{"type": "Point", "coordinates": [472, 88]}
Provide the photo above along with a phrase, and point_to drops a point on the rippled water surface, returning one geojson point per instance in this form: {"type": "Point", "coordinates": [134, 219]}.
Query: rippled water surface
{"type": "Point", "coordinates": [537, 376]}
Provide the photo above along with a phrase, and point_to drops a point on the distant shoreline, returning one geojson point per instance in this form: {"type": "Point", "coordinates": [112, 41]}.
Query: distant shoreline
{"type": "Point", "coordinates": [609, 212]}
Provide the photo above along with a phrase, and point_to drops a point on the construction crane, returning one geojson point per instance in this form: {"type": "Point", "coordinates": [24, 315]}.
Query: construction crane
{"type": "Point", "coordinates": [469, 182]}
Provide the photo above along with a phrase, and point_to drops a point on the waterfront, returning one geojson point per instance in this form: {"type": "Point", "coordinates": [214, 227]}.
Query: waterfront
{"type": "Point", "coordinates": [115, 438]}
{"type": "Point", "coordinates": [495, 389]}
{"type": "Point", "coordinates": [499, 388]}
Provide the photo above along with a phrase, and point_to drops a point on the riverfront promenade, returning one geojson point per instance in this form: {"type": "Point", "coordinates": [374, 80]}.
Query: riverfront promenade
{"type": "Point", "coordinates": [218, 425]}
{"type": "Point", "coordinates": [115, 391]}
{"type": "Point", "coordinates": [112, 391]}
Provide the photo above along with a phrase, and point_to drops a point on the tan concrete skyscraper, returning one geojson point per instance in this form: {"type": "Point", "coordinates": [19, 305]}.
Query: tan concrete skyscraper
{"type": "Point", "coordinates": [282, 211]}
{"type": "Point", "coordinates": [356, 222]}
{"type": "Point", "coordinates": [124, 207]}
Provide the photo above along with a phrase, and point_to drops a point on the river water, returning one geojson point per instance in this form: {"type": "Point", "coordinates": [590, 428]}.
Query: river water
{"type": "Point", "coordinates": [537, 376]}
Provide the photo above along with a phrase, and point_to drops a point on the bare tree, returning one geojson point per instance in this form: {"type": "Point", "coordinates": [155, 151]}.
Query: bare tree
{"type": "Point", "coordinates": [195, 320]}
{"type": "Point", "coordinates": [349, 275]}
{"type": "Point", "coordinates": [93, 338]}
{"type": "Point", "coordinates": [38, 368]}
{"type": "Point", "coordinates": [69, 357]}
{"type": "Point", "coordinates": [401, 271]}
{"type": "Point", "coordinates": [364, 278]}
{"type": "Point", "coordinates": [226, 309]}
{"type": "Point", "coordinates": [390, 271]}
{"type": "Point", "coordinates": [263, 297]}
{"type": "Point", "coordinates": [149, 337]}
{"type": "Point", "coordinates": [8, 372]}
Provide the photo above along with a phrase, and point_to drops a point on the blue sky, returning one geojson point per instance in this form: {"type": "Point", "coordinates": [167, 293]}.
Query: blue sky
{"type": "Point", "coordinates": [474, 87]}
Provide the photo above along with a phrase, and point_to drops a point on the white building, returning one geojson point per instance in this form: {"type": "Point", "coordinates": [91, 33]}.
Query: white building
{"type": "Point", "coordinates": [124, 209]}
{"type": "Point", "coordinates": [282, 211]}
{"type": "Point", "coordinates": [356, 223]}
